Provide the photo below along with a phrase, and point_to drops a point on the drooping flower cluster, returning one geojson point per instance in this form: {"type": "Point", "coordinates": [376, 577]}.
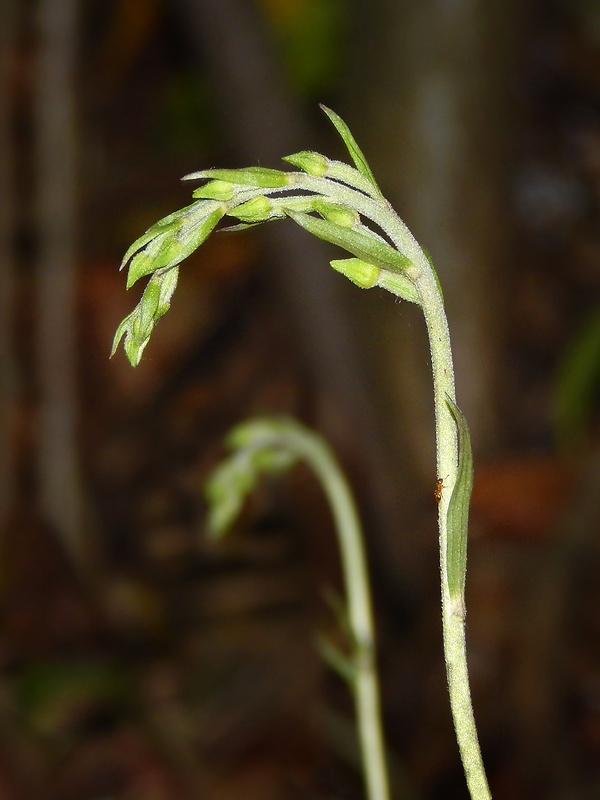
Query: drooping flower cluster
{"type": "Point", "coordinates": [327, 198]}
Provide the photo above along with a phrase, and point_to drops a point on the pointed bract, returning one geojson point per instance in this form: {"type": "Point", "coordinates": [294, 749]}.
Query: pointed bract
{"type": "Point", "coordinates": [355, 152]}
{"type": "Point", "coordinates": [360, 244]}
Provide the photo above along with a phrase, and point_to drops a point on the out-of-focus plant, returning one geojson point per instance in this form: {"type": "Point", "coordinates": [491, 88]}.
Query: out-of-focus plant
{"type": "Point", "coordinates": [340, 204]}
{"type": "Point", "coordinates": [578, 383]}
{"type": "Point", "coordinates": [267, 446]}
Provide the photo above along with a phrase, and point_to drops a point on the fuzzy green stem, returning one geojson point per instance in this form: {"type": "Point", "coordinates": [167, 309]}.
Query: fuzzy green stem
{"type": "Point", "coordinates": [453, 606]}
{"type": "Point", "coordinates": [453, 614]}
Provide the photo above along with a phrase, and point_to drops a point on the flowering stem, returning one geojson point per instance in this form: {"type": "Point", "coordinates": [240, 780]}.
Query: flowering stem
{"type": "Point", "coordinates": [330, 199]}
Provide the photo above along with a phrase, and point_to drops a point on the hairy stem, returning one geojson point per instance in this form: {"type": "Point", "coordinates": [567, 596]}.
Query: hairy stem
{"type": "Point", "coordinates": [453, 606]}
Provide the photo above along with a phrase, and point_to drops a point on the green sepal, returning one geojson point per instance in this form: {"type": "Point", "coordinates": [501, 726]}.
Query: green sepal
{"type": "Point", "coordinates": [215, 190]}
{"type": "Point", "coordinates": [458, 509]}
{"type": "Point", "coordinates": [258, 209]}
{"type": "Point", "coordinates": [334, 212]}
{"type": "Point", "coordinates": [120, 332]}
{"type": "Point", "coordinates": [309, 162]}
{"type": "Point", "coordinates": [137, 327]}
{"type": "Point", "coordinates": [263, 177]}
{"type": "Point", "coordinates": [360, 244]}
{"type": "Point", "coordinates": [172, 245]}
{"type": "Point", "coordinates": [175, 219]}
{"type": "Point", "coordinates": [356, 153]}
{"type": "Point", "coordinates": [360, 272]}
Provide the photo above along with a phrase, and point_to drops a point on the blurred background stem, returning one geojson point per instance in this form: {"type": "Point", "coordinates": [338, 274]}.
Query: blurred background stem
{"type": "Point", "coordinates": [56, 206]}
{"type": "Point", "coordinates": [8, 367]}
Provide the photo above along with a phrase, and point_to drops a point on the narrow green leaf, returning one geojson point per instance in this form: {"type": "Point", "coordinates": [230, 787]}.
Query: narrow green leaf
{"type": "Point", "coordinates": [458, 509]}
{"type": "Point", "coordinates": [355, 152]}
{"type": "Point", "coordinates": [359, 243]}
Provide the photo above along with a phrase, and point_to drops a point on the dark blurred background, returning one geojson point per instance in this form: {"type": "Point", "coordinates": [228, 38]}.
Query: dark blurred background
{"type": "Point", "coordinates": [139, 661]}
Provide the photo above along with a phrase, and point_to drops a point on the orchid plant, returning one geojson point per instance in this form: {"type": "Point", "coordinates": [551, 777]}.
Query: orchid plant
{"type": "Point", "coordinates": [341, 204]}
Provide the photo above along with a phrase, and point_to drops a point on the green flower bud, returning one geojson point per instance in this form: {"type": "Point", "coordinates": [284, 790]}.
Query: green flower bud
{"type": "Point", "coordinates": [263, 177]}
{"type": "Point", "coordinates": [333, 212]}
{"type": "Point", "coordinates": [137, 327]}
{"type": "Point", "coordinates": [256, 210]}
{"type": "Point", "coordinates": [174, 244]}
{"type": "Point", "coordinates": [358, 271]}
{"type": "Point", "coordinates": [215, 190]}
{"type": "Point", "coordinates": [306, 160]}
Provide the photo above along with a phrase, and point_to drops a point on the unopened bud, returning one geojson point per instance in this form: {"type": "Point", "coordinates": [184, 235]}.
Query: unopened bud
{"type": "Point", "coordinates": [263, 177]}
{"type": "Point", "coordinates": [333, 212]}
{"type": "Point", "coordinates": [358, 271]}
{"type": "Point", "coordinates": [256, 210]}
{"type": "Point", "coordinates": [215, 190]}
{"type": "Point", "coordinates": [306, 160]}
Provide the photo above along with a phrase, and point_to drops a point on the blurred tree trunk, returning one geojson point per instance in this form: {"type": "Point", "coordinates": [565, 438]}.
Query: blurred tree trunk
{"type": "Point", "coordinates": [56, 143]}
{"type": "Point", "coordinates": [8, 387]}
{"type": "Point", "coordinates": [436, 84]}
